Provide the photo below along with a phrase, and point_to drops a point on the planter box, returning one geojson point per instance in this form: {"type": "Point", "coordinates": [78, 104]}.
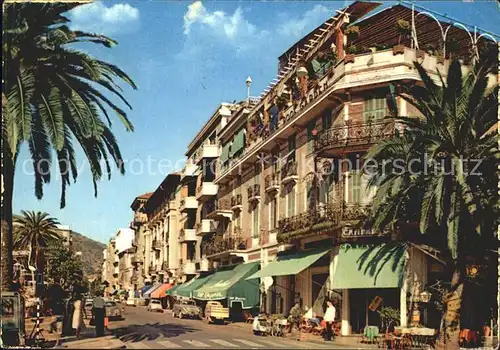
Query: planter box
{"type": "Point", "coordinates": [398, 49]}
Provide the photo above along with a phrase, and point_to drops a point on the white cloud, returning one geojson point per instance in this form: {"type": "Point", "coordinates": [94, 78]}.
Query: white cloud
{"type": "Point", "coordinates": [97, 17]}
{"type": "Point", "coordinates": [231, 26]}
{"type": "Point", "coordinates": [298, 27]}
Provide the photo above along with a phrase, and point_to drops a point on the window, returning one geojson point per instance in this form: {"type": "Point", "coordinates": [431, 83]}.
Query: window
{"type": "Point", "coordinates": [309, 196]}
{"type": "Point", "coordinates": [273, 213]}
{"type": "Point", "coordinates": [255, 219]}
{"type": "Point", "coordinates": [291, 203]}
{"type": "Point", "coordinates": [275, 160]}
{"type": "Point", "coordinates": [291, 148]}
{"type": "Point", "coordinates": [325, 188]}
{"type": "Point", "coordinates": [237, 221]}
{"type": "Point", "coordinates": [326, 121]}
{"type": "Point", "coordinates": [256, 171]}
{"type": "Point", "coordinates": [374, 108]}
{"type": "Point", "coordinates": [310, 139]}
{"type": "Point", "coordinates": [355, 186]}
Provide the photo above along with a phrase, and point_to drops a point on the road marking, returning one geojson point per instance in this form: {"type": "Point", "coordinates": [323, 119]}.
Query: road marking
{"type": "Point", "coordinates": [168, 344]}
{"type": "Point", "coordinates": [249, 343]}
{"type": "Point", "coordinates": [196, 343]}
{"type": "Point", "coordinates": [224, 343]}
{"type": "Point", "coordinates": [273, 343]}
{"type": "Point", "coordinates": [137, 345]}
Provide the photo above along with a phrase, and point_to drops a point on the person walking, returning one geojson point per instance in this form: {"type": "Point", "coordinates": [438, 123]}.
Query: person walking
{"type": "Point", "coordinates": [329, 319]}
{"type": "Point", "coordinates": [99, 313]}
{"type": "Point", "coordinates": [77, 323]}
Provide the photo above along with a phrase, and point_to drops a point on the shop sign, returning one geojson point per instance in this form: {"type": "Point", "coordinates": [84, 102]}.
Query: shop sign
{"type": "Point", "coordinates": [375, 303]}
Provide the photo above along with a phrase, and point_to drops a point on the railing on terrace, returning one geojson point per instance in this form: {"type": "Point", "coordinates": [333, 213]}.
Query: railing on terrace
{"type": "Point", "coordinates": [236, 200]}
{"type": "Point", "coordinates": [253, 191]}
{"type": "Point", "coordinates": [288, 170]}
{"type": "Point", "coordinates": [354, 133]}
{"type": "Point", "coordinates": [156, 245]}
{"type": "Point", "coordinates": [220, 204]}
{"type": "Point", "coordinates": [271, 180]}
{"type": "Point", "coordinates": [220, 245]}
{"type": "Point", "coordinates": [325, 217]}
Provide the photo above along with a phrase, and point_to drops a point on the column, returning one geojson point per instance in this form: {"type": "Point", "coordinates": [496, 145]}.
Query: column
{"type": "Point", "coordinates": [346, 314]}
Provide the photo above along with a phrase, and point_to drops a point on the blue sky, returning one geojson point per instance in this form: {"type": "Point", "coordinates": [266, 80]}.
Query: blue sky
{"type": "Point", "coordinates": [186, 58]}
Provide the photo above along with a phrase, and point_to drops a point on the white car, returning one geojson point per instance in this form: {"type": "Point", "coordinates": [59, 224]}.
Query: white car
{"type": "Point", "coordinates": [155, 305]}
{"type": "Point", "coordinates": [130, 302]}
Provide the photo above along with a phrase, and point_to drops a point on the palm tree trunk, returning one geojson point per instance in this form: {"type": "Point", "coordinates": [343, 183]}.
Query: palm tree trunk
{"type": "Point", "coordinates": [7, 187]}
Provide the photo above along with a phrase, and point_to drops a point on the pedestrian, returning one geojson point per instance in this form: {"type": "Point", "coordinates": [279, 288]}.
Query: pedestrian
{"type": "Point", "coordinates": [77, 323]}
{"type": "Point", "coordinates": [329, 319]}
{"type": "Point", "coordinates": [99, 313]}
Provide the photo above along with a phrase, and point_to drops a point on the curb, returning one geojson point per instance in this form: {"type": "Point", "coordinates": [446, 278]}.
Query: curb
{"type": "Point", "coordinates": [106, 342]}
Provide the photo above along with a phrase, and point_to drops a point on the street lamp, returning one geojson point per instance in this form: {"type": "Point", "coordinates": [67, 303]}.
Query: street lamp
{"type": "Point", "coordinates": [249, 83]}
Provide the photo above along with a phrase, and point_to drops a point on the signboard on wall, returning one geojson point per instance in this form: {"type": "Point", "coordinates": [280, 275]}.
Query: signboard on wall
{"type": "Point", "coordinates": [374, 305]}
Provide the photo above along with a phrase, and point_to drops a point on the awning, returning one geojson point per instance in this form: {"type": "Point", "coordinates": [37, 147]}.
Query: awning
{"type": "Point", "coordinates": [233, 285]}
{"type": "Point", "coordinates": [238, 142]}
{"type": "Point", "coordinates": [160, 292]}
{"type": "Point", "coordinates": [291, 264]}
{"type": "Point", "coordinates": [173, 289]}
{"type": "Point", "coordinates": [186, 290]}
{"type": "Point", "coordinates": [144, 289]}
{"type": "Point", "coordinates": [147, 294]}
{"type": "Point", "coordinates": [369, 266]}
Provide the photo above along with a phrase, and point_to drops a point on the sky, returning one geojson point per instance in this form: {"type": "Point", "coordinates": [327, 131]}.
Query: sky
{"type": "Point", "coordinates": [186, 58]}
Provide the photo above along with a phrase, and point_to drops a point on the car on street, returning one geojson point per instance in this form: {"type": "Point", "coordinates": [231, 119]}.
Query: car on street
{"type": "Point", "coordinates": [155, 305]}
{"type": "Point", "coordinates": [215, 312]}
{"type": "Point", "coordinates": [130, 302]}
{"type": "Point", "coordinates": [113, 310]}
{"type": "Point", "coordinates": [186, 308]}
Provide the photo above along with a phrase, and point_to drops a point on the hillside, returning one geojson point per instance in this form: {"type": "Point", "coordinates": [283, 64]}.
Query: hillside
{"type": "Point", "coordinates": [91, 253]}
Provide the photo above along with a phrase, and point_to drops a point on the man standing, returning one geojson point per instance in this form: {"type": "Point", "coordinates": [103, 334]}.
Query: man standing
{"type": "Point", "coordinates": [329, 319]}
{"type": "Point", "coordinates": [99, 312]}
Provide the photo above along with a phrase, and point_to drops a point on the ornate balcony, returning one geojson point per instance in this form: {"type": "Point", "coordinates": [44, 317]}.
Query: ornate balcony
{"type": "Point", "coordinates": [221, 209]}
{"type": "Point", "coordinates": [289, 172]}
{"type": "Point", "coordinates": [352, 134]}
{"type": "Point", "coordinates": [323, 218]}
{"type": "Point", "coordinates": [271, 183]}
{"type": "Point", "coordinates": [253, 193]}
{"type": "Point", "coordinates": [187, 235]}
{"type": "Point", "coordinates": [156, 245]}
{"type": "Point", "coordinates": [206, 226]}
{"type": "Point", "coordinates": [236, 202]}
{"type": "Point", "coordinates": [222, 245]}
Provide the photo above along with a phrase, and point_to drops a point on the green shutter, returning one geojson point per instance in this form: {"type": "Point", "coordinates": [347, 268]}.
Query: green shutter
{"type": "Point", "coordinates": [238, 142]}
{"type": "Point", "coordinates": [224, 156]}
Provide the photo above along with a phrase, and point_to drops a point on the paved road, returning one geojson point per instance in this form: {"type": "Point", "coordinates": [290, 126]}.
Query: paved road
{"type": "Point", "coordinates": [148, 330]}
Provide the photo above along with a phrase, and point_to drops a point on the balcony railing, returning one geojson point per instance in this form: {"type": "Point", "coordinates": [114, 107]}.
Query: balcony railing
{"type": "Point", "coordinates": [271, 182]}
{"type": "Point", "coordinates": [253, 192]}
{"type": "Point", "coordinates": [289, 172]}
{"type": "Point", "coordinates": [220, 208]}
{"type": "Point", "coordinates": [164, 266]}
{"type": "Point", "coordinates": [353, 134]}
{"type": "Point", "coordinates": [236, 202]}
{"type": "Point", "coordinates": [219, 245]}
{"type": "Point", "coordinates": [156, 245]}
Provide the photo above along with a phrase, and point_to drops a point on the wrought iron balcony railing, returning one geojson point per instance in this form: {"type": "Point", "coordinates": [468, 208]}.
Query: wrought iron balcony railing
{"type": "Point", "coordinates": [156, 245]}
{"type": "Point", "coordinates": [220, 245]}
{"type": "Point", "coordinates": [271, 182]}
{"type": "Point", "coordinates": [289, 172]}
{"type": "Point", "coordinates": [253, 192]}
{"type": "Point", "coordinates": [353, 134]}
{"type": "Point", "coordinates": [236, 201]}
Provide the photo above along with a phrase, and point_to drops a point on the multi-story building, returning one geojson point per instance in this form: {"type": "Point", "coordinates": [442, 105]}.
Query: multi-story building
{"type": "Point", "coordinates": [161, 244]}
{"type": "Point", "coordinates": [66, 235]}
{"type": "Point", "coordinates": [139, 227]}
{"type": "Point", "coordinates": [110, 268]}
{"type": "Point", "coordinates": [290, 190]}
{"type": "Point", "coordinates": [125, 250]}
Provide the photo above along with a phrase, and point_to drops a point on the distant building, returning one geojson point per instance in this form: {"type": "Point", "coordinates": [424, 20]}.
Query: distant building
{"type": "Point", "coordinates": [66, 234]}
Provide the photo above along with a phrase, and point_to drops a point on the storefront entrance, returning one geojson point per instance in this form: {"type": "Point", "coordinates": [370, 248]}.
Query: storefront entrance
{"type": "Point", "coordinates": [360, 299]}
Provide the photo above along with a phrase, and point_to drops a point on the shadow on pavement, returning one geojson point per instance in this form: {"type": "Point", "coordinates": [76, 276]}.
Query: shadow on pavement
{"type": "Point", "coordinates": [151, 331]}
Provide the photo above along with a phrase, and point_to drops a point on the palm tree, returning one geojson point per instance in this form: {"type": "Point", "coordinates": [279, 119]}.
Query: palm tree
{"type": "Point", "coordinates": [52, 96]}
{"type": "Point", "coordinates": [439, 173]}
{"type": "Point", "coordinates": [34, 231]}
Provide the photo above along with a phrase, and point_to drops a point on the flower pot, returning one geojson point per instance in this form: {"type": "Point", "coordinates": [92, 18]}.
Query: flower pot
{"type": "Point", "coordinates": [349, 58]}
{"type": "Point", "coordinates": [398, 49]}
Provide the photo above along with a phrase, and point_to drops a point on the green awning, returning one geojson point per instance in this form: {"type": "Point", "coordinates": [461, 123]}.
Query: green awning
{"type": "Point", "coordinates": [172, 290]}
{"type": "Point", "coordinates": [232, 284]}
{"type": "Point", "coordinates": [224, 156]}
{"type": "Point", "coordinates": [238, 143]}
{"type": "Point", "coordinates": [369, 266]}
{"type": "Point", "coordinates": [186, 290]}
{"type": "Point", "coordinates": [291, 264]}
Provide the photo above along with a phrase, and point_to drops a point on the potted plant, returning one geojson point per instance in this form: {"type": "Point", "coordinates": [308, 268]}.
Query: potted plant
{"type": "Point", "coordinates": [403, 29]}
{"type": "Point", "coordinates": [352, 34]}
{"type": "Point", "coordinates": [350, 51]}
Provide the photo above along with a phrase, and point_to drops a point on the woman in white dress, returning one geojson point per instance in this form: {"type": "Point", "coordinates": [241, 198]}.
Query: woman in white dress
{"type": "Point", "coordinates": [77, 323]}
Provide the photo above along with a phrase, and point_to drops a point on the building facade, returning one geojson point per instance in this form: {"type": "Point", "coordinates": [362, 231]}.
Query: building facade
{"type": "Point", "coordinates": [139, 227]}
{"type": "Point", "coordinates": [110, 268]}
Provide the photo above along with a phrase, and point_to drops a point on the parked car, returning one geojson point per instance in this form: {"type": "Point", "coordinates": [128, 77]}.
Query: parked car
{"type": "Point", "coordinates": [155, 305]}
{"type": "Point", "coordinates": [214, 311]}
{"type": "Point", "coordinates": [186, 308]}
{"type": "Point", "coordinates": [130, 302]}
{"type": "Point", "coordinates": [113, 310]}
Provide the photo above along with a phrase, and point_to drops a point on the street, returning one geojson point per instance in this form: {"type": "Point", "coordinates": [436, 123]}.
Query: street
{"type": "Point", "coordinates": [149, 330]}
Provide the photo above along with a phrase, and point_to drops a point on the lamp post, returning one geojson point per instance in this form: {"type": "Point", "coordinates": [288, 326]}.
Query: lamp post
{"type": "Point", "coordinates": [249, 83]}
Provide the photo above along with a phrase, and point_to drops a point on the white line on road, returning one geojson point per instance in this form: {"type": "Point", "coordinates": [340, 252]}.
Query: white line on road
{"type": "Point", "coordinates": [137, 345]}
{"type": "Point", "coordinates": [249, 343]}
{"type": "Point", "coordinates": [224, 343]}
{"type": "Point", "coordinates": [271, 343]}
{"type": "Point", "coordinates": [196, 343]}
{"type": "Point", "coordinates": [168, 344]}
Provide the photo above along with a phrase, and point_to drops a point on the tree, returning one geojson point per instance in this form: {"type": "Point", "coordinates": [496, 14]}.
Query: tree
{"type": "Point", "coordinates": [34, 231]}
{"type": "Point", "coordinates": [52, 96]}
{"type": "Point", "coordinates": [64, 268]}
{"type": "Point", "coordinates": [439, 173]}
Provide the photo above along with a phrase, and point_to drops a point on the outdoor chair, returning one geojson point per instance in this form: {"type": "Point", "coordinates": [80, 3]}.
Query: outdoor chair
{"type": "Point", "coordinates": [306, 326]}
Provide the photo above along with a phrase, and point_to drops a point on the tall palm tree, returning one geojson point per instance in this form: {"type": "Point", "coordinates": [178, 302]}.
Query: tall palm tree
{"type": "Point", "coordinates": [440, 172]}
{"type": "Point", "coordinates": [52, 96]}
{"type": "Point", "coordinates": [34, 231]}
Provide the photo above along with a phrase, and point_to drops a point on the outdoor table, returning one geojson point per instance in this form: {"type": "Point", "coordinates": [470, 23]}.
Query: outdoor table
{"type": "Point", "coordinates": [371, 333]}
{"type": "Point", "coordinates": [418, 336]}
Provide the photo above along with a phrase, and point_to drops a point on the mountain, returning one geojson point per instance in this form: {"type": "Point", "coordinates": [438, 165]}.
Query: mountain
{"type": "Point", "coordinates": [91, 254]}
